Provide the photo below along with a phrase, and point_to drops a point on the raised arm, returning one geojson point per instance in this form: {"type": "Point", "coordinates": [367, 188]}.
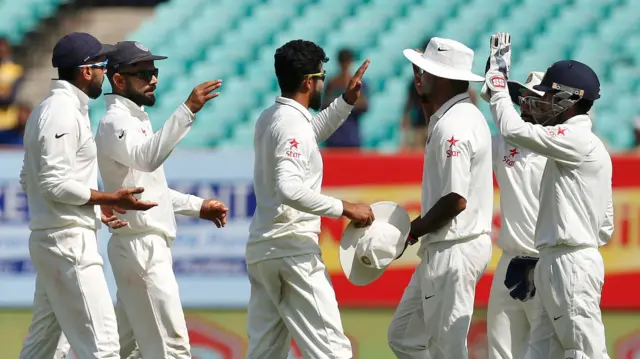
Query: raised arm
{"type": "Point", "coordinates": [121, 139]}
{"type": "Point", "coordinates": [566, 144]}
{"type": "Point", "coordinates": [329, 120]}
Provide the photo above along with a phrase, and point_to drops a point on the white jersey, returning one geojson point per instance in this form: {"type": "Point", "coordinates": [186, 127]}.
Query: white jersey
{"type": "Point", "coordinates": [288, 178]}
{"type": "Point", "coordinates": [518, 172]}
{"type": "Point", "coordinates": [130, 155]}
{"type": "Point", "coordinates": [575, 196]}
{"type": "Point", "coordinates": [60, 168]}
{"type": "Point", "coordinates": [458, 159]}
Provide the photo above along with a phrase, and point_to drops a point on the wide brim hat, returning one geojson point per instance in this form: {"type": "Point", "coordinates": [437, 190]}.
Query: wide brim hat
{"type": "Point", "coordinates": [390, 220]}
{"type": "Point", "coordinates": [446, 59]}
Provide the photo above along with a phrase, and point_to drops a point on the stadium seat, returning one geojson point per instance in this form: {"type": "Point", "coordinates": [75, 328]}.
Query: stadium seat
{"type": "Point", "coordinates": [240, 44]}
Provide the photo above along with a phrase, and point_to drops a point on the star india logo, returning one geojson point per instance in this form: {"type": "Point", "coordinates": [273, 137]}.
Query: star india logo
{"type": "Point", "coordinates": [451, 152]}
{"type": "Point", "coordinates": [293, 149]}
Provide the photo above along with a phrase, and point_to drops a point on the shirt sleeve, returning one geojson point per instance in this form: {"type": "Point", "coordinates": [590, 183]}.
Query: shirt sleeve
{"type": "Point", "coordinates": [329, 120]}
{"type": "Point", "coordinates": [455, 151]}
{"type": "Point", "coordinates": [59, 139]}
{"type": "Point", "coordinates": [606, 231]}
{"type": "Point", "coordinates": [185, 204]}
{"type": "Point", "coordinates": [294, 143]}
{"type": "Point", "coordinates": [495, 146]}
{"type": "Point", "coordinates": [560, 143]}
{"type": "Point", "coordinates": [120, 139]}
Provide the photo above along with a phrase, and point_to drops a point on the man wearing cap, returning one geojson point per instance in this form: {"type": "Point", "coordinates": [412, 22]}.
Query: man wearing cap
{"type": "Point", "coordinates": [576, 214]}
{"type": "Point", "coordinates": [60, 178]}
{"type": "Point", "coordinates": [148, 308]}
{"type": "Point", "coordinates": [434, 314]}
{"type": "Point", "coordinates": [512, 304]}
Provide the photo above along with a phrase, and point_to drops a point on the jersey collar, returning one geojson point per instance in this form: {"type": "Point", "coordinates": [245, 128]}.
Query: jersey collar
{"type": "Point", "coordinates": [296, 105]}
{"type": "Point", "coordinates": [463, 97]}
{"type": "Point", "coordinates": [122, 102]}
{"type": "Point", "coordinates": [80, 98]}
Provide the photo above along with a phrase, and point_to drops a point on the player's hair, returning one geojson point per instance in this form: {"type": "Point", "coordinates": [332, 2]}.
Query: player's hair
{"type": "Point", "coordinates": [296, 59]}
{"type": "Point", "coordinates": [583, 106]}
{"type": "Point", "coordinates": [68, 74]}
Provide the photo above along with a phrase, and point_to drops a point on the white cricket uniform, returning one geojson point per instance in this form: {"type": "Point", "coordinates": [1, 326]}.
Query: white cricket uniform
{"type": "Point", "coordinates": [434, 314]}
{"type": "Point", "coordinates": [577, 218]}
{"type": "Point", "coordinates": [291, 293]}
{"type": "Point", "coordinates": [518, 172]}
{"type": "Point", "coordinates": [130, 155]}
{"type": "Point", "coordinates": [58, 174]}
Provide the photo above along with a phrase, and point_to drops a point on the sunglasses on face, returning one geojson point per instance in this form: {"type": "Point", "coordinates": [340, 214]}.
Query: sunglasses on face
{"type": "Point", "coordinates": [97, 65]}
{"type": "Point", "coordinates": [146, 75]}
{"type": "Point", "coordinates": [320, 75]}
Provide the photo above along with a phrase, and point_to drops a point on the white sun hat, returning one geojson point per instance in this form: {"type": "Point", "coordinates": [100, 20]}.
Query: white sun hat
{"type": "Point", "coordinates": [365, 253]}
{"type": "Point", "coordinates": [445, 58]}
{"type": "Point", "coordinates": [515, 87]}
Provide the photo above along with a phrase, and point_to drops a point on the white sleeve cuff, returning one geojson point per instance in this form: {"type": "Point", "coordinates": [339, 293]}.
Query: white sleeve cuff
{"type": "Point", "coordinates": [336, 209]}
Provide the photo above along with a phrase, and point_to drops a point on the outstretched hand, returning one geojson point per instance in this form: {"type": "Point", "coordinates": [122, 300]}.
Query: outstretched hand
{"type": "Point", "coordinates": [352, 93]}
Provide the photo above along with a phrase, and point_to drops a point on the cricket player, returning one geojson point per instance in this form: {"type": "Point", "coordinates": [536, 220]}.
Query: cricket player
{"type": "Point", "coordinates": [434, 314]}
{"type": "Point", "coordinates": [148, 307]}
{"type": "Point", "coordinates": [576, 210]}
{"type": "Point", "coordinates": [60, 178]}
{"type": "Point", "coordinates": [518, 172]}
{"type": "Point", "coordinates": [291, 293]}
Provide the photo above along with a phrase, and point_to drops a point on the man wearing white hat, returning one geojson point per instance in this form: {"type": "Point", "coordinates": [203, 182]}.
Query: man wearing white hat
{"type": "Point", "coordinates": [433, 317]}
{"type": "Point", "coordinates": [512, 304]}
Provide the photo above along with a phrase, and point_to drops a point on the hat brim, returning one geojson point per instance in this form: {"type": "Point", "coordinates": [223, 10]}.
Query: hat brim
{"type": "Point", "coordinates": [146, 58]}
{"type": "Point", "coordinates": [356, 272]}
{"type": "Point", "coordinates": [515, 90]}
{"type": "Point", "coordinates": [105, 50]}
{"type": "Point", "coordinates": [438, 70]}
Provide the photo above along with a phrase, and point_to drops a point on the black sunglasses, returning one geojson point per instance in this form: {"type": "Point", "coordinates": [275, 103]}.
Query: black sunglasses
{"type": "Point", "coordinates": [146, 75]}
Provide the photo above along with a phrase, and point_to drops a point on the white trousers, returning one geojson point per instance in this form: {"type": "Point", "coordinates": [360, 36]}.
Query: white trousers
{"type": "Point", "coordinates": [293, 297]}
{"type": "Point", "coordinates": [569, 282]}
{"type": "Point", "coordinates": [71, 296]}
{"type": "Point", "coordinates": [509, 321]}
{"type": "Point", "coordinates": [434, 314]}
{"type": "Point", "coordinates": [148, 306]}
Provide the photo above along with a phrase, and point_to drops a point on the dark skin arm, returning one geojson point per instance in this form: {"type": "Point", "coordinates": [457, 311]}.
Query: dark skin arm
{"type": "Point", "coordinates": [446, 209]}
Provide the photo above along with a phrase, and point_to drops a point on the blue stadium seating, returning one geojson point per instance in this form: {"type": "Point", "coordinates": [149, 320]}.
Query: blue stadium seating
{"type": "Point", "coordinates": [17, 18]}
{"type": "Point", "coordinates": [235, 40]}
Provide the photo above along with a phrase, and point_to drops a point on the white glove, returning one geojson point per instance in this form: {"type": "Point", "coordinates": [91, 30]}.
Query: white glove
{"type": "Point", "coordinates": [499, 64]}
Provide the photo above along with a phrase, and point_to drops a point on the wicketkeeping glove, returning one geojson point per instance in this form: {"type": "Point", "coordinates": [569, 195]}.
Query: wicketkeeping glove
{"type": "Point", "coordinates": [498, 65]}
{"type": "Point", "coordinates": [519, 278]}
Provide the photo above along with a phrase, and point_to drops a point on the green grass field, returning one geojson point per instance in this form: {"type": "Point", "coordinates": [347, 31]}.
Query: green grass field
{"type": "Point", "coordinates": [366, 328]}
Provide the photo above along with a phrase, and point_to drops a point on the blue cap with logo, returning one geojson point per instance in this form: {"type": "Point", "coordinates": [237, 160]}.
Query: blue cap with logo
{"type": "Point", "coordinates": [572, 76]}
{"type": "Point", "coordinates": [76, 49]}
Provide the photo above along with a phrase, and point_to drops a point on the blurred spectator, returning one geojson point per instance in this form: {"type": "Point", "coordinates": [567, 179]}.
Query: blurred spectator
{"type": "Point", "coordinates": [10, 75]}
{"type": "Point", "coordinates": [13, 119]}
{"type": "Point", "coordinates": [348, 135]}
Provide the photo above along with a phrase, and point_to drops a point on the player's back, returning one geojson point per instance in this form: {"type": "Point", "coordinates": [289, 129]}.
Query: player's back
{"type": "Point", "coordinates": [296, 232]}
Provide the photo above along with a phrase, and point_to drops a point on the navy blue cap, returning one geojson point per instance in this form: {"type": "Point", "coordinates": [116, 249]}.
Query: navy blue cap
{"type": "Point", "coordinates": [76, 49]}
{"type": "Point", "coordinates": [573, 76]}
{"type": "Point", "coordinates": [128, 53]}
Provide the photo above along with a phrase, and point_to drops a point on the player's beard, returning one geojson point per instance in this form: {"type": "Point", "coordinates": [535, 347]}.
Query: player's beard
{"type": "Point", "coordinates": [315, 102]}
{"type": "Point", "coordinates": [94, 90]}
{"type": "Point", "coordinates": [140, 98]}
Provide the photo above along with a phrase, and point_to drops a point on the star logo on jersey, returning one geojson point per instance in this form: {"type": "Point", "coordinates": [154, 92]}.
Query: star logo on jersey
{"type": "Point", "coordinates": [144, 132]}
{"type": "Point", "coordinates": [450, 152]}
{"type": "Point", "coordinates": [293, 149]}
{"type": "Point", "coordinates": [510, 160]}
{"type": "Point", "coordinates": [561, 131]}
{"type": "Point", "coordinates": [513, 152]}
